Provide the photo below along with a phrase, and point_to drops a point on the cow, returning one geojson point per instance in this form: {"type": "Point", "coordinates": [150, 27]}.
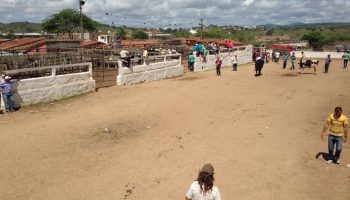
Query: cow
{"type": "Point", "coordinates": [309, 64]}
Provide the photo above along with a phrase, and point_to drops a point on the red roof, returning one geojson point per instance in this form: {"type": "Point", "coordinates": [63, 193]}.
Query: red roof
{"type": "Point", "coordinates": [3, 40]}
{"type": "Point", "coordinates": [282, 47]}
{"type": "Point", "coordinates": [222, 41]}
{"type": "Point", "coordinates": [17, 43]}
{"type": "Point", "coordinates": [92, 44]}
{"type": "Point", "coordinates": [139, 42]}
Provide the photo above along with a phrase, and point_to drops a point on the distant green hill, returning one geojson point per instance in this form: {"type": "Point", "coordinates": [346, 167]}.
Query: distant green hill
{"type": "Point", "coordinates": [30, 27]}
{"type": "Point", "coordinates": [20, 27]}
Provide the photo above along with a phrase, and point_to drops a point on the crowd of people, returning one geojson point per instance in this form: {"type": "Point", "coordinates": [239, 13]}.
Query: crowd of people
{"type": "Point", "coordinates": [202, 51]}
{"type": "Point", "coordinates": [303, 61]}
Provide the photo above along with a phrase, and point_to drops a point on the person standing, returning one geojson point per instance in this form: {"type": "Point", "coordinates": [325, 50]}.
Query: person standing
{"type": "Point", "coordinates": [234, 62]}
{"type": "Point", "coordinates": [145, 56]}
{"type": "Point", "coordinates": [277, 56]}
{"type": "Point", "coordinates": [259, 64]}
{"type": "Point", "coordinates": [302, 60]}
{"type": "Point", "coordinates": [254, 56]}
{"type": "Point", "coordinates": [204, 53]}
{"type": "Point", "coordinates": [191, 60]}
{"type": "Point", "coordinates": [218, 64]}
{"type": "Point", "coordinates": [338, 133]}
{"type": "Point", "coordinates": [203, 188]}
{"type": "Point", "coordinates": [7, 95]}
{"type": "Point", "coordinates": [293, 59]}
{"type": "Point", "coordinates": [124, 56]}
{"type": "Point", "coordinates": [285, 60]}
{"type": "Point", "coordinates": [2, 78]}
{"type": "Point", "coordinates": [327, 63]}
{"type": "Point", "coordinates": [346, 59]}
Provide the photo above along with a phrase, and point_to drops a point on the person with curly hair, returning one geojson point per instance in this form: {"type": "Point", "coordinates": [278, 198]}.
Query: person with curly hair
{"type": "Point", "coordinates": [203, 188]}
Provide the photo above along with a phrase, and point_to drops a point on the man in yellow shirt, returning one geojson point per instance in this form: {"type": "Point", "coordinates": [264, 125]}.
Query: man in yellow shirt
{"type": "Point", "coordinates": [338, 133]}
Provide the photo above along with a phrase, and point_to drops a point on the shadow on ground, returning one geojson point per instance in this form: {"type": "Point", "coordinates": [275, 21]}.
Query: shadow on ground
{"type": "Point", "coordinates": [323, 154]}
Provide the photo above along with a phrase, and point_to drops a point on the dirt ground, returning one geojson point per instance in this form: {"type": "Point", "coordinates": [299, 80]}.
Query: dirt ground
{"type": "Point", "coordinates": [148, 141]}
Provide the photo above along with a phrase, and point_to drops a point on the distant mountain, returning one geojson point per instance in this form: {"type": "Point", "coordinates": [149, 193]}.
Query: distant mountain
{"type": "Point", "coordinates": [304, 25]}
{"type": "Point", "coordinates": [268, 26]}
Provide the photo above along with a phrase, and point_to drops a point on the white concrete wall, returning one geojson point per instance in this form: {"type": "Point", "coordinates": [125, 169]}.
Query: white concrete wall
{"type": "Point", "coordinates": [315, 54]}
{"type": "Point", "coordinates": [54, 87]}
{"type": "Point", "coordinates": [150, 72]}
{"type": "Point", "coordinates": [243, 56]}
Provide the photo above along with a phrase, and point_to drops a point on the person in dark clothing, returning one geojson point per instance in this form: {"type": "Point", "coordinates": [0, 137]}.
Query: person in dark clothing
{"type": "Point", "coordinates": [285, 60]}
{"type": "Point", "coordinates": [327, 63]}
{"type": "Point", "coordinates": [218, 64]}
{"type": "Point", "coordinates": [253, 56]}
{"type": "Point", "coordinates": [259, 64]}
{"type": "Point", "coordinates": [293, 58]}
{"type": "Point", "coordinates": [128, 59]}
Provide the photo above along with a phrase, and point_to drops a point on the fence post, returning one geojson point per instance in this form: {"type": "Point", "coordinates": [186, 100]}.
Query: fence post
{"type": "Point", "coordinates": [120, 66]}
{"type": "Point", "coordinates": [53, 71]}
{"type": "Point", "coordinates": [164, 58]}
{"type": "Point", "coordinates": [90, 69]}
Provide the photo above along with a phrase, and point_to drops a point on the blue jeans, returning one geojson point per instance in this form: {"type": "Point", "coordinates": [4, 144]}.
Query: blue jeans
{"type": "Point", "coordinates": [8, 101]}
{"type": "Point", "coordinates": [338, 142]}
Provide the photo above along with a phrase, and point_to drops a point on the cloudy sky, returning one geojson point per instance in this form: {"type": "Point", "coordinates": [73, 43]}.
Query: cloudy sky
{"type": "Point", "coordinates": [184, 13]}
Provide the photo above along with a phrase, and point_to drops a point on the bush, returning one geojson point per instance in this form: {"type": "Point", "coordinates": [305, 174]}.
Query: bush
{"type": "Point", "coordinates": [139, 34]}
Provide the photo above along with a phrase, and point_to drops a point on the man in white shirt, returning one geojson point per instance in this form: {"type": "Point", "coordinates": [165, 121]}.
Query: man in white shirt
{"type": "Point", "coordinates": [145, 56]}
{"type": "Point", "coordinates": [234, 62]}
{"type": "Point", "coordinates": [277, 54]}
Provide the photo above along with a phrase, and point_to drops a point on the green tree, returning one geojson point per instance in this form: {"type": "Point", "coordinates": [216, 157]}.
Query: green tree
{"type": "Point", "coordinates": [67, 21]}
{"type": "Point", "coordinates": [182, 33]}
{"type": "Point", "coordinates": [315, 38]}
{"type": "Point", "coordinates": [216, 33]}
{"type": "Point", "coordinates": [139, 34]}
{"type": "Point", "coordinates": [121, 33]}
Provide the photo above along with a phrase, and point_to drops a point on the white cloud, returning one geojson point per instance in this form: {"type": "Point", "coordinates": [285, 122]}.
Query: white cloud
{"type": "Point", "coordinates": [157, 13]}
{"type": "Point", "coordinates": [248, 2]}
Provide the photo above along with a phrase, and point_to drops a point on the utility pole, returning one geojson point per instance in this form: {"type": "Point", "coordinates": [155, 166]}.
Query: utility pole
{"type": "Point", "coordinates": [81, 3]}
{"type": "Point", "coordinates": [202, 26]}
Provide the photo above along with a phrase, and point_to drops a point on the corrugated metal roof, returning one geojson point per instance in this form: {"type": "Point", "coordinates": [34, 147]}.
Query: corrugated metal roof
{"type": "Point", "coordinates": [17, 43]}
{"type": "Point", "coordinates": [3, 40]}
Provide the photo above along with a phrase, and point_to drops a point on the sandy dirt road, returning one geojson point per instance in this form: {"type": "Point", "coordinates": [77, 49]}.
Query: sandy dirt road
{"type": "Point", "coordinates": [262, 135]}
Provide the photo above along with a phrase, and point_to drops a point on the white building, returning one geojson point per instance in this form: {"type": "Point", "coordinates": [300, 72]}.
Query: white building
{"type": "Point", "coordinates": [104, 38]}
